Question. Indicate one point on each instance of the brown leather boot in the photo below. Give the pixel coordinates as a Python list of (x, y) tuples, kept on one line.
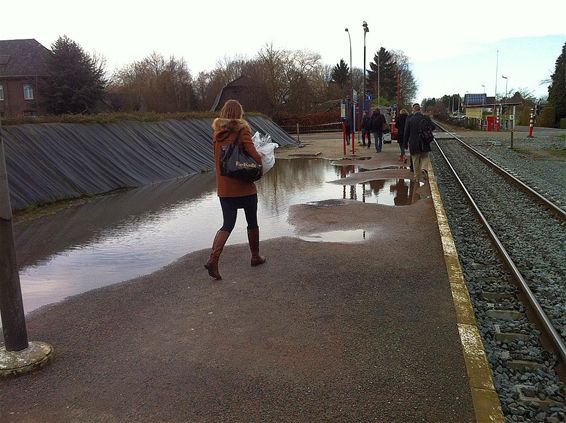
[(253, 239), (217, 247)]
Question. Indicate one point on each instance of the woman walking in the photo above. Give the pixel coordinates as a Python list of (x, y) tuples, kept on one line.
[(234, 194)]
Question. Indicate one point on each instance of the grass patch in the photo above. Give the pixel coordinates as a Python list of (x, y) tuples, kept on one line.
[(114, 117), (551, 153), (36, 210), (562, 137), (560, 154)]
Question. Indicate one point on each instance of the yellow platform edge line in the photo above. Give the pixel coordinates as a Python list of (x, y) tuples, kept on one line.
[(485, 399)]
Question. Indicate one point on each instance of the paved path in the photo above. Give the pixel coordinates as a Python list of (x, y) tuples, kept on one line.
[(323, 332)]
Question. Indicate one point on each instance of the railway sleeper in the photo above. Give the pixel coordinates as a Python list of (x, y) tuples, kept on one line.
[(529, 395), (501, 314)]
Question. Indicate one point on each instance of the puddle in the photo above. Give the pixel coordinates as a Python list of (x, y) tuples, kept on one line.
[(357, 235), (121, 236), (390, 192), (344, 162)]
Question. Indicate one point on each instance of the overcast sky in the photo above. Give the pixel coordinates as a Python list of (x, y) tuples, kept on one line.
[(451, 44)]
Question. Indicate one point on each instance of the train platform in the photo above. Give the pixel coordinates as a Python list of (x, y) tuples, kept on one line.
[(374, 330)]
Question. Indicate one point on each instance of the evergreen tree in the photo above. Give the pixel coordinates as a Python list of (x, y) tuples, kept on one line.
[(75, 80), (557, 88), (341, 74), (387, 75)]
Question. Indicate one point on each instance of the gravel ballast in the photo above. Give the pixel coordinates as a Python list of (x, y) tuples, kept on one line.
[(524, 374)]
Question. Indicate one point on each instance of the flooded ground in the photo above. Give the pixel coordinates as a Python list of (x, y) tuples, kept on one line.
[(121, 236)]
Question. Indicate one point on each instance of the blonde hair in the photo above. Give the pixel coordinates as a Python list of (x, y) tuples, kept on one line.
[(232, 109)]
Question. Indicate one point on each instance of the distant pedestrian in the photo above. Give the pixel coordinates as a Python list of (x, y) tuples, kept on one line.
[(400, 124), (366, 120), (416, 128), (376, 127), (234, 193)]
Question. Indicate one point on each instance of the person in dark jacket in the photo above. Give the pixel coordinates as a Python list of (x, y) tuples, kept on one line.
[(376, 127), (418, 147), (234, 193), (400, 123), (366, 129)]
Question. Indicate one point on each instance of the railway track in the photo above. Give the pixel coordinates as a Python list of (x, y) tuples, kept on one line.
[(511, 240)]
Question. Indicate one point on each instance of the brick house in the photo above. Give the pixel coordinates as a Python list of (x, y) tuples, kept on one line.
[(22, 68)]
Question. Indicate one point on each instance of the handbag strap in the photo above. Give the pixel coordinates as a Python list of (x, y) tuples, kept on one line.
[(237, 141)]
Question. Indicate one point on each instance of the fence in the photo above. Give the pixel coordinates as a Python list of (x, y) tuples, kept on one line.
[(308, 129)]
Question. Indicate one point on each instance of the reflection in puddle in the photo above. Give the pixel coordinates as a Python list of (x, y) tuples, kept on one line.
[(125, 235), (390, 192), (357, 235)]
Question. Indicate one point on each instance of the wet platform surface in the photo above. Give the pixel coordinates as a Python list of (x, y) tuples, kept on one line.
[(347, 331), (115, 237)]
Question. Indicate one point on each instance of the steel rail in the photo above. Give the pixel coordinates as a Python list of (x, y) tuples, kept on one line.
[(561, 213), (553, 334)]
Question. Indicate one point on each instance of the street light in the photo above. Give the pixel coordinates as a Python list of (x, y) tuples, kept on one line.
[(483, 88), (353, 110), (366, 30), (351, 73), (18, 355), (506, 80), (378, 66)]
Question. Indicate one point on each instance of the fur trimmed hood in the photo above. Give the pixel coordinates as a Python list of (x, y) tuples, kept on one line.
[(224, 128), (229, 125)]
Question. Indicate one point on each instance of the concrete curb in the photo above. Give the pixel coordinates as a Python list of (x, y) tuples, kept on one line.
[(485, 398)]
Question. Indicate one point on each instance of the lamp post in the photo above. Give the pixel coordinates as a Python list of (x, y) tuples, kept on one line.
[(18, 355), (353, 109), (11, 304), (351, 73), (506, 80), (366, 30), (378, 66), (483, 88), (495, 92)]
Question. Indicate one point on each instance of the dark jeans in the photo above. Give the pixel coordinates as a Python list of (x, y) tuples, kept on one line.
[(378, 136), (230, 206), (365, 135)]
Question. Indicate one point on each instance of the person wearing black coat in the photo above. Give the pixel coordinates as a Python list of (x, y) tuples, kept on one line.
[(366, 129), (400, 123), (376, 127), (418, 147)]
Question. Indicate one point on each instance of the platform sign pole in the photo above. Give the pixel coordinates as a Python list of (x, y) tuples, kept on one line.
[(355, 101), (531, 124), (512, 120), (344, 136), (343, 116), (11, 304)]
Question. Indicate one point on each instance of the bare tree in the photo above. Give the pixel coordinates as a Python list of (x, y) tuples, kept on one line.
[(155, 84), (288, 77), (408, 84)]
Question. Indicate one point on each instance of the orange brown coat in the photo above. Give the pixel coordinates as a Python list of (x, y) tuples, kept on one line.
[(225, 132)]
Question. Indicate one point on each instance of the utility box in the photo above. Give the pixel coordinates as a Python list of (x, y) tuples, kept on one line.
[(491, 126)]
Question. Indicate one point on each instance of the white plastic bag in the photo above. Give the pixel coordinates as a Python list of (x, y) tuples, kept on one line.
[(266, 150)]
